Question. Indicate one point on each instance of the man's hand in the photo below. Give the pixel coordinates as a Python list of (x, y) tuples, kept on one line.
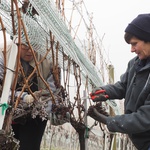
[(92, 112), (98, 94)]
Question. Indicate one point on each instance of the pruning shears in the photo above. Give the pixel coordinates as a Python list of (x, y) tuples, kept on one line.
[(95, 95)]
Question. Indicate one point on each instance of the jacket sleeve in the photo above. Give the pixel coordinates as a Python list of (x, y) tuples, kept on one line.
[(135, 122), (51, 82), (118, 90)]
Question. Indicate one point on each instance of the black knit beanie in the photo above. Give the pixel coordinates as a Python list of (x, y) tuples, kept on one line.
[(140, 27)]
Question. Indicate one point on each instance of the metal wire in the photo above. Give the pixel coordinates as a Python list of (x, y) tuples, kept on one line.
[(38, 28)]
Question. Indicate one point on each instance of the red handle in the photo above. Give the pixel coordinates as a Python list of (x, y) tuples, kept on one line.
[(97, 92), (93, 95)]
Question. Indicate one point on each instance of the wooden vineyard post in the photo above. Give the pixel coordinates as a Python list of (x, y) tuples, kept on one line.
[(112, 113)]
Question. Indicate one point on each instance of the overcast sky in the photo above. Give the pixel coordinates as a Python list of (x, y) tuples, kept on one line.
[(111, 17)]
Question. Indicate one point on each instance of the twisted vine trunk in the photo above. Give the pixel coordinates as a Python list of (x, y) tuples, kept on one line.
[(81, 139), (80, 129)]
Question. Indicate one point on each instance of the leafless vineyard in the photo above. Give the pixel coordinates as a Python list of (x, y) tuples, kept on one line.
[(59, 138), (79, 75), (65, 138)]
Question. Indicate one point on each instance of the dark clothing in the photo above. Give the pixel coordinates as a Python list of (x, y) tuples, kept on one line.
[(134, 86), (30, 134), (29, 131), (33, 82)]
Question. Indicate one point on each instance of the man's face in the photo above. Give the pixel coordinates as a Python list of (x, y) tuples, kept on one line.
[(26, 53), (141, 48)]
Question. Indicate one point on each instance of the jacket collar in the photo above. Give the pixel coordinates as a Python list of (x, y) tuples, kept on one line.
[(142, 64)]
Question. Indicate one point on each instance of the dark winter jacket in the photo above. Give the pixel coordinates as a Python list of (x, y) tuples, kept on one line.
[(134, 87)]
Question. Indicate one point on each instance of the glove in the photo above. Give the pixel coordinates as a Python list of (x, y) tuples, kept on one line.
[(100, 98), (98, 94), (28, 98), (93, 113), (96, 89)]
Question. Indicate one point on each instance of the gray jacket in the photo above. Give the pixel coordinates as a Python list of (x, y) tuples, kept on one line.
[(134, 86)]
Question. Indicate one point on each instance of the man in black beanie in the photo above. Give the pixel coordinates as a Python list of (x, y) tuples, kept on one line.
[(133, 87)]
